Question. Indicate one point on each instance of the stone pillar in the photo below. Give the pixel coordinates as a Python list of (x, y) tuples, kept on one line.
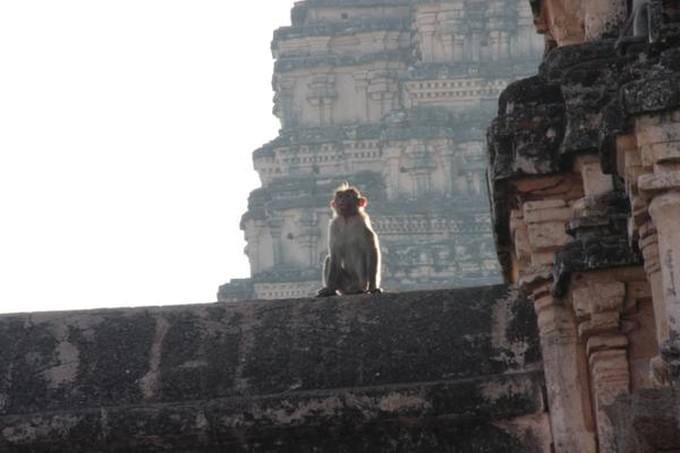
[(539, 232), (450, 169), (426, 25), (494, 37), (565, 374), (381, 94), (458, 47), (326, 110), (284, 106), (640, 226), (309, 237), (445, 40), (504, 49), (649, 247), (610, 379), (361, 83), (546, 221), (665, 212), (598, 304), (252, 249), (658, 137), (275, 226)]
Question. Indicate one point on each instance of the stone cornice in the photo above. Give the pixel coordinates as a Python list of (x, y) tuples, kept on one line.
[(583, 95), (547, 117), (288, 64), (357, 2), (350, 27), (525, 137), (425, 122), (487, 70)]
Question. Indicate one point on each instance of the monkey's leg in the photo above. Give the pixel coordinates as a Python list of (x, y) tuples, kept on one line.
[(347, 283), (326, 291), (353, 274)]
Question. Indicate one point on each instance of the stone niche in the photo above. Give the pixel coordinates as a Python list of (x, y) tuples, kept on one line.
[(420, 372)]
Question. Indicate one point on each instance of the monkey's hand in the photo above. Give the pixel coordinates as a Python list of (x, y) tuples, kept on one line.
[(326, 292), (375, 291)]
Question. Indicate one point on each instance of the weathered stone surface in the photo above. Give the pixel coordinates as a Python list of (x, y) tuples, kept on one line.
[(405, 372), (600, 239), (645, 422), (604, 170)]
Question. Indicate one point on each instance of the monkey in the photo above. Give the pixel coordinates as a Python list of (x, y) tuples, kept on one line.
[(353, 262)]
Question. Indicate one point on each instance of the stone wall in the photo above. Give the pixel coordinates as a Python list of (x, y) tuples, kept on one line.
[(586, 206), (393, 96), (455, 370)]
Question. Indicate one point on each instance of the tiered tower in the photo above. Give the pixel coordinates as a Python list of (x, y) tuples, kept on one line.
[(393, 96)]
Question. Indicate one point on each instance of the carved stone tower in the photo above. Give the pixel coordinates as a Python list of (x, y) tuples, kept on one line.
[(393, 96)]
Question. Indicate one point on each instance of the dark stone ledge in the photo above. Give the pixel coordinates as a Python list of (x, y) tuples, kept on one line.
[(583, 255), (599, 228), (366, 373), (419, 417)]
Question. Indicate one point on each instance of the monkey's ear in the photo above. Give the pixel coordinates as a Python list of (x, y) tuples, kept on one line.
[(362, 201), (333, 203)]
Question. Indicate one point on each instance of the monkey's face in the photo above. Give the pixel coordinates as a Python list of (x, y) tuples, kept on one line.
[(347, 203)]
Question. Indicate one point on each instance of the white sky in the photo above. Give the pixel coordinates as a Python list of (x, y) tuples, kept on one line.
[(126, 133)]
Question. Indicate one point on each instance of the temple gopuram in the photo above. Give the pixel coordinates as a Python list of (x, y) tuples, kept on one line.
[(393, 96)]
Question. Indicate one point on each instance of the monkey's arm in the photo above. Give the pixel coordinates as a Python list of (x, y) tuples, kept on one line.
[(325, 291), (332, 273), (373, 263)]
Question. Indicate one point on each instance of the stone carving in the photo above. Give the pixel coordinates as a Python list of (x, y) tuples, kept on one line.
[(394, 96), (586, 207)]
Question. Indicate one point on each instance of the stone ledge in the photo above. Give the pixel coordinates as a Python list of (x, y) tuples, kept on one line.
[(332, 29), (271, 422), (429, 369)]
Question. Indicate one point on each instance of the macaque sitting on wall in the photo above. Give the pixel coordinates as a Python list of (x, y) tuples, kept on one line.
[(353, 262)]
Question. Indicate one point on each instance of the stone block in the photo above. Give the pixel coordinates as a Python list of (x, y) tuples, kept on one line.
[(598, 297), (522, 245), (538, 205), (668, 152), (610, 374), (548, 215), (660, 133), (549, 235), (595, 182), (599, 323), (542, 259), (659, 181), (601, 343), (645, 120), (647, 158)]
